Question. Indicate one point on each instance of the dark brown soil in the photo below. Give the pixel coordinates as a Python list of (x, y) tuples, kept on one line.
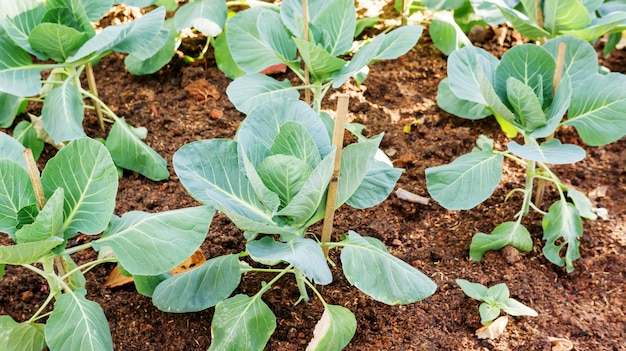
[(586, 307)]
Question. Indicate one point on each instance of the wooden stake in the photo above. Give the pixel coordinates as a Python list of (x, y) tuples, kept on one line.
[(91, 81), (331, 197), (307, 76), (33, 173)]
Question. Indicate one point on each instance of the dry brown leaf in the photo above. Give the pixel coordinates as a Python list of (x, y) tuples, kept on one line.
[(410, 197), (598, 192), (493, 330), (560, 344), (116, 278)]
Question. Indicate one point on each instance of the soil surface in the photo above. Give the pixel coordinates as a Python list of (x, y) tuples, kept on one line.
[(183, 103)]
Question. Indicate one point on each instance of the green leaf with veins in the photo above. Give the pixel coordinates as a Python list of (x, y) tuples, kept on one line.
[(294, 140), (526, 105), (48, 223), (63, 112), (254, 89), (16, 192), (27, 337), (334, 330), (284, 175), (506, 233), (562, 221)]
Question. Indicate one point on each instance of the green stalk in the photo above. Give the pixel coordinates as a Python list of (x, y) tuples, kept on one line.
[(528, 189), (300, 280), (93, 88), (267, 286)]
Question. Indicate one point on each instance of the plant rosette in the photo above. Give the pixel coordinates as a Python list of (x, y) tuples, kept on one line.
[(526, 99), (271, 181), (76, 195)]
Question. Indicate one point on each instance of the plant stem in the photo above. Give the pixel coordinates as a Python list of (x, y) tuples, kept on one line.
[(307, 78), (268, 285), (33, 173), (331, 196), (209, 40), (528, 189), (88, 266), (77, 248), (97, 101), (300, 280), (316, 292), (43, 306), (91, 81)]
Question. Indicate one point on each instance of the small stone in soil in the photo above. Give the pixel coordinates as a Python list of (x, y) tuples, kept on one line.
[(511, 255)]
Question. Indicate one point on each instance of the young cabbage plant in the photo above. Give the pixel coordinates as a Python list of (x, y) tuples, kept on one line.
[(494, 299), (521, 92), (542, 20), (76, 195), (271, 181), (60, 35), (258, 38)]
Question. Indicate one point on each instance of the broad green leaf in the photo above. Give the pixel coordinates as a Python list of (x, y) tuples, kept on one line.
[(156, 44), (487, 10), (356, 160), (488, 313), (209, 170), (25, 133), (19, 27), (27, 215), (27, 337), (336, 19), (516, 308), (138, 239), (27, 253), (247, 35), (130, 152), (379, 181), (380, 275), (138, 3), (77, 279), (126, 38), (506, 233), (528, 112), (562, 222), (443, 4), (304, 254), (562, 15), (199, 288), (467, 181), (497, 293), (6, 327), (206, 16), (284, 175), (295, 140), (397, 42), (308, 200), (92, 10), (63, 112), (530, 64), (90, 187), (598, 109), (523, 24), (18, 75), (551, 151), (157, 54), (224, 59), (16, 192), (581, 59), (268, 198), (146, 284), (9, 108), (56, 40), (254, 89), (12, 8), (560, 104), (241, 323), (73, 13), (359, 62), (77, 324), (446, 34), (582, 203), (474, 290), (600, 26), (456, 106), (320, 63), (334, 330), (49, 221)]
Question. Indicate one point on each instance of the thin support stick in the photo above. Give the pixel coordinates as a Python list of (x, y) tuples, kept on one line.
[(331, 197), (33, 173), (558, 74), (93, 88), (307, 77)]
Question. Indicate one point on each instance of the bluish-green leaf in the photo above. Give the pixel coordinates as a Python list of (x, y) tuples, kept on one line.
[(199, 288), (563, 15), (551, 151), (77, 324), (320, 63), (16, 192), (528, 112), (27, 253), (295, 140), (506, 233), (73, 13), (334, 330), (19, 26), (560, 104), (267, 197), (146, 284), (27, 337), (488, 313), (56, 40), (474, 290), (516, 308), (9, 107), (356, 160), (580, 59), (206, 16), (224, 59), (157, 54), (11, 149), (254, 89), (457, 106), (380, 275), (18, 75), (304, 254), (241, 323), (130, 152), (523, 24), (598, 108), (6, 327), (487, 10), (446, 34), (582, 203), (49, 221), (378, 183), (138, 239), (90, 187), (284, 175), (600, 26), (397, 42), (467, 181), (63, 112), (562, 222), (25, 133)]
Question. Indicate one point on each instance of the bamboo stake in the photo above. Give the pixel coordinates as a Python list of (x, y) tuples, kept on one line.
[(91, 81), (307, 77), (331, 197), (33, 173), (558, 75)]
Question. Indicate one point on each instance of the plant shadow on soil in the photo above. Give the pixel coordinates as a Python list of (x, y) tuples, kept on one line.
[(182, 103)]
